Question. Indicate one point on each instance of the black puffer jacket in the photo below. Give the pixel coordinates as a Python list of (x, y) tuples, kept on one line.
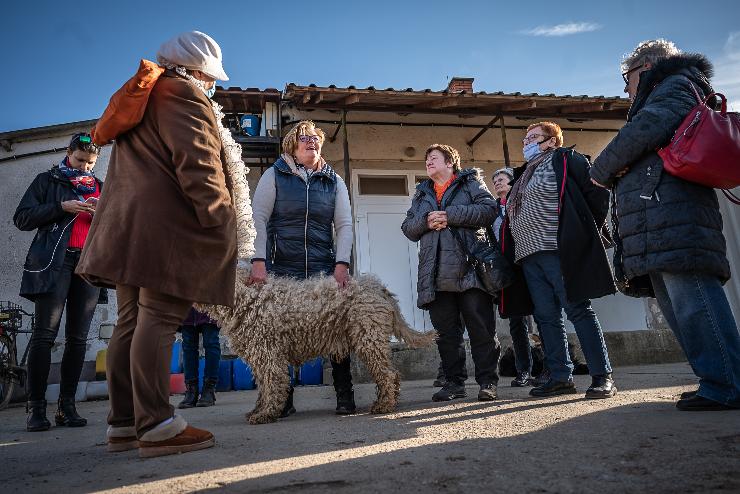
[(442, 264), (583, 260), (665, 223), (41, 209)]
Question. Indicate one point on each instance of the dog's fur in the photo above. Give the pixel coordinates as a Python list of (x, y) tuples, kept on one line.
[(288, 321)]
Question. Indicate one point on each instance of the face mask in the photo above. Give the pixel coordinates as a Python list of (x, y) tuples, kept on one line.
[(531, 150), (211, 92)]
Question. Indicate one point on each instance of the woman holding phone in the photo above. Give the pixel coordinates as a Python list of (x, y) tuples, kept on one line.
[(59, 204)]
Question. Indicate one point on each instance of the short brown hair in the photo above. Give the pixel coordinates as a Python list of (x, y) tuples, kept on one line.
[(451, 155), (551, 129), (304, 127)]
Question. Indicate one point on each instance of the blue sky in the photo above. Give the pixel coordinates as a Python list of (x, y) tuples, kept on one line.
[(63, 60)]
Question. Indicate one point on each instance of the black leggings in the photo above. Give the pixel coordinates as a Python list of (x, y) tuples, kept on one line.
[(81, 299)]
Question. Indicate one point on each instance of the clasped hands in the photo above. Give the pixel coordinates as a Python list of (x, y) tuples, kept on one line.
[(259, 274), (437, 220)]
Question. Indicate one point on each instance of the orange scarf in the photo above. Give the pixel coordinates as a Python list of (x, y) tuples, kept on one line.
[(439, 190)]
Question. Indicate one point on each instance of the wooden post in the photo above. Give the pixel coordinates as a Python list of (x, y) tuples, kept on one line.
[(348, 183), (345, 146), (504, 143), (483, 130)]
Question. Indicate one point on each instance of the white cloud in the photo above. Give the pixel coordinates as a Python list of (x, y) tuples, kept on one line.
[(727, 72), (564, 29)]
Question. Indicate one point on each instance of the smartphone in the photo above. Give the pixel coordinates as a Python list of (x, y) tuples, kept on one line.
[(92, 200)]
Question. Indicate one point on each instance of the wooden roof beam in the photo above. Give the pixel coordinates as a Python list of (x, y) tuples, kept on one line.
[(518, 105), (350, 100), (581, 108), (439, 104), (306, 97)]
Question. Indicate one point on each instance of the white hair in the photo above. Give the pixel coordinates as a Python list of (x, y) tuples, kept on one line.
[(650, 51)]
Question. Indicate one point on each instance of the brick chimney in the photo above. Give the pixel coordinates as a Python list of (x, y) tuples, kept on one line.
[(460, 84)]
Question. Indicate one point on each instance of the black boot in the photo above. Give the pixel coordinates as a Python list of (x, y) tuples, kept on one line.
[(288, 409), (37, 420), (191, 395), (67, 414), (345, 402), (208, 395)]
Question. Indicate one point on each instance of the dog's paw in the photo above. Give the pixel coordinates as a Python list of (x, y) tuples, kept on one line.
[(260, 418), (382, 408)]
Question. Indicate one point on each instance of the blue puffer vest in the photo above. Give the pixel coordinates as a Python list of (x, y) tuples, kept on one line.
[(300, 238)]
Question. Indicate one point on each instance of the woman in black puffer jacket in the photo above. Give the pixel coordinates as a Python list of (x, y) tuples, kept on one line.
[(59, 204), (448, 286), (670, 241)]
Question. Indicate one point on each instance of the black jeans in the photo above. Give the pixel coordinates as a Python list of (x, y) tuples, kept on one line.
[(476, 308), (80, 299), (519, 330)]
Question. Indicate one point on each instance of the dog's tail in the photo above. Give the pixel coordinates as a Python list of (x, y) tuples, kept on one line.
[(402, 331)]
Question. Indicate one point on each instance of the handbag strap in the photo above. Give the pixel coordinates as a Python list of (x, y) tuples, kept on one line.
[(468, 256)]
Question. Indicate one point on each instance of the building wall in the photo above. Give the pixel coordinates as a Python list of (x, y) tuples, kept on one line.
[(15, 177)]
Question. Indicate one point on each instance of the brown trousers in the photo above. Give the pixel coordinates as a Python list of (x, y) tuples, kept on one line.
[(138, 360)]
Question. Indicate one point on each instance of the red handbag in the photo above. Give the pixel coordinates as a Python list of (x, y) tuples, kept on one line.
[(706, 147)]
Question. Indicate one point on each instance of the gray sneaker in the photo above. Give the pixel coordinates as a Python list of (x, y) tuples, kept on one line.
[(487, 392), (449, 392)]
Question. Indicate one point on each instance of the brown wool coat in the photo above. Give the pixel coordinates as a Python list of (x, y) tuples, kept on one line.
[(165, 220)]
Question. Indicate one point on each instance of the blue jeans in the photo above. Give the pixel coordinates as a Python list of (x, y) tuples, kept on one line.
[(546, 286), (211, 346), (697, 311)]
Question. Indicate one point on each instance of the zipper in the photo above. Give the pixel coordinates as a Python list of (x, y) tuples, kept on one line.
[(562, 186), (305, 226), (274, 248), (696, 119)]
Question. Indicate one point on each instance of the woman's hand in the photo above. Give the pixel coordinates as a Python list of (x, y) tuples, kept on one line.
[(437, 220), (75, 207), (259, 273), (341, 274)]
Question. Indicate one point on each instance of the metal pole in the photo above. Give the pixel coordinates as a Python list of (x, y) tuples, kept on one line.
[(345, 147)]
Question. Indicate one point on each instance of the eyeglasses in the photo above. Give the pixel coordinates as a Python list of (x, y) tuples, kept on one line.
[(314, 139), (532, 137), (625, 75)]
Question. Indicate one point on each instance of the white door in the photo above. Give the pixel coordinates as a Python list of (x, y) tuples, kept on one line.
[(381, 199)]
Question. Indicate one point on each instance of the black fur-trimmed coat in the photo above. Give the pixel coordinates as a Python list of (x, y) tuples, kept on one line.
[(665, 223)]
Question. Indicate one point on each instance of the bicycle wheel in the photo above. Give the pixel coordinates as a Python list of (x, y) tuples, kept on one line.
[(7, 362)]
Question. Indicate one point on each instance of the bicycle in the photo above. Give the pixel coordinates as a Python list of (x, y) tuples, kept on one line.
[(12, 374)]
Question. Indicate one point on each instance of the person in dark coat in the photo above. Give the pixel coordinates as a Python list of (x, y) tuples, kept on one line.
[(448, 287), (670, 242), (198, 323), (300, 206), (518, 325), (59, 204), (553, 218)]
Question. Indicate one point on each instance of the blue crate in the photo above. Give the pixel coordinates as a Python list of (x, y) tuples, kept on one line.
[(312, 372), (176, 359), (225, 369), (242, 375)]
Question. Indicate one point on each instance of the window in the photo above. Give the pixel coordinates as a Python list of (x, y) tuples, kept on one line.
[(379, 185)]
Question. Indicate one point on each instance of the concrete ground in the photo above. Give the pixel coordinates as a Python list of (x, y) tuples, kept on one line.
[(635, 442)]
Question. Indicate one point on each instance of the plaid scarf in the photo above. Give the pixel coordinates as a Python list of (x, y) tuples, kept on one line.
[(516, 196), (83, 182)]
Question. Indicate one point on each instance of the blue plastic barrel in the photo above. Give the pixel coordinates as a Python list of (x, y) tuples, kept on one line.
[(176, 360), (312, 372), (250, 124), (225, 369), (242, 375)]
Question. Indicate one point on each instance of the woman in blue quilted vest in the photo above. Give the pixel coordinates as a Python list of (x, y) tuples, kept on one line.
[(300, 207)]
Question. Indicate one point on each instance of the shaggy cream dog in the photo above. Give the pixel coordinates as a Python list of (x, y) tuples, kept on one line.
[(288, 321)]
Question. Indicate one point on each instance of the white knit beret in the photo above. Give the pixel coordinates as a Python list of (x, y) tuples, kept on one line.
[(195, 51)]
